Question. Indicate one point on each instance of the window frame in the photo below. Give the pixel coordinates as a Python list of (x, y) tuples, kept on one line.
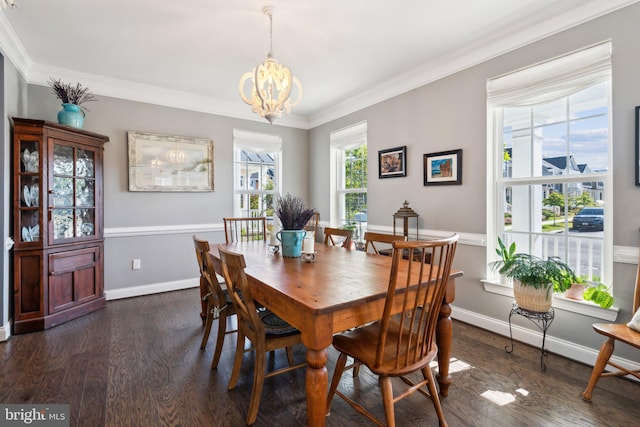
[(496, 183), (256, 143), (343, 140)]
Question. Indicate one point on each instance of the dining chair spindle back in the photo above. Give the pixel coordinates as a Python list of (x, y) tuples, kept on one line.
[(245, 229), (400, 344), (334, 237), (266, 331), (371, 239), (217, 301)]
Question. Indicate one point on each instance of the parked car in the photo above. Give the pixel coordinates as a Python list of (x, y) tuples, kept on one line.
[(589, 219)]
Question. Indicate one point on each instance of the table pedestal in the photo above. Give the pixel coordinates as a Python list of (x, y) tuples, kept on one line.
[(541, 320)]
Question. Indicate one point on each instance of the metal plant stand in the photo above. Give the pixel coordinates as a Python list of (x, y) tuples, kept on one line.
[(541, 320)]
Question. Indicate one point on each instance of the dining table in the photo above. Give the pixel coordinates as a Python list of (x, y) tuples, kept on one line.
[(338, 290)]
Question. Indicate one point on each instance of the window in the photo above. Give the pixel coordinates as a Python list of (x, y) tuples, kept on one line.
[(256, 173), (549, 152), (349, 206)]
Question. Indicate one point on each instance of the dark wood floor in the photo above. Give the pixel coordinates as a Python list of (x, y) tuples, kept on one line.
[(138, 363)]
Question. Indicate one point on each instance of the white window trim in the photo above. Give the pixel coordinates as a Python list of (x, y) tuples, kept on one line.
[(258, 143), (595, 62), (341, 140)]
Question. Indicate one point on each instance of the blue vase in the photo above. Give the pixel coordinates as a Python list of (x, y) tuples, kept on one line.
[(71, 115), (291, 242)]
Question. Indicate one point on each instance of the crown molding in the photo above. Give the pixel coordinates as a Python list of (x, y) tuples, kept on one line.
[(562, 16), (552, 20), (13, 49)]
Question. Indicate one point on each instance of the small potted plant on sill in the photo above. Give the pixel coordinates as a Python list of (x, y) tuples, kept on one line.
[(593, 291), (293, 217), (72, 97), (535, 279), (505, 255)]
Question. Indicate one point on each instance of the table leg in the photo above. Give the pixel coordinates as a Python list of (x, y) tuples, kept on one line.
[(444, 337), (317, 384)]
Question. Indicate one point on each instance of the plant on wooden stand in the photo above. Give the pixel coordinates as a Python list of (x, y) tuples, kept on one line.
[(535, 279)]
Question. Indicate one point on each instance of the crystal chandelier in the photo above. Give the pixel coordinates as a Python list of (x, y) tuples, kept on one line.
[(271, 84)]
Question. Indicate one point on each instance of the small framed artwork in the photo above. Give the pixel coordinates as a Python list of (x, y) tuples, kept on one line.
[(443, 168), (638, 145), (169, 163), (392, 162)]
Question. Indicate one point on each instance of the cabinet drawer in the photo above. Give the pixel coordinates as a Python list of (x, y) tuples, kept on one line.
[(73, 278)]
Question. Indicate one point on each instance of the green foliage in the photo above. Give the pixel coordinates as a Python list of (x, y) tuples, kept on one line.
[(583, 200), (355, 176), (599, 294), (292, 213), (531, 270), (504, 253), (554, 199)]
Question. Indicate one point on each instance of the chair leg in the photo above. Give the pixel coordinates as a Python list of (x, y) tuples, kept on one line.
[(598, 368), (289, 351), (386, 390), (433, 391), (222, 330), (337, 374), (203, 301), (256, 389), (207, 327), (237, 361)]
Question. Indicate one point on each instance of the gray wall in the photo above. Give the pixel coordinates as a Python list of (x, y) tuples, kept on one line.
[(450, 114), (167, 257)]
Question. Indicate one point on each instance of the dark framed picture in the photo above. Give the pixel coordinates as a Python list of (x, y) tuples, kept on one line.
[(443, 168), (638, 145), (392, 162)]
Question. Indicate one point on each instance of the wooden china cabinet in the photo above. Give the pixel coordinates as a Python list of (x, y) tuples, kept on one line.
[(57, 224)]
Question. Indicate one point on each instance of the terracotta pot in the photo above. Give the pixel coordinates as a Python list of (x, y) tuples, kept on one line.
[(575, 291), (533, 299)]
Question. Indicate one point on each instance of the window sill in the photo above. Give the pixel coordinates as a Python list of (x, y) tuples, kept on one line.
[(561, 302)]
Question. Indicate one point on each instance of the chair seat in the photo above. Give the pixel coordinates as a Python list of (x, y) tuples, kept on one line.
[(274, 325), (362, 344), (620, 332)]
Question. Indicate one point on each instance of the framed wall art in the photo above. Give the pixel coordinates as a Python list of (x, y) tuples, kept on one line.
[(169, 163), (392, 162), (443, 168)]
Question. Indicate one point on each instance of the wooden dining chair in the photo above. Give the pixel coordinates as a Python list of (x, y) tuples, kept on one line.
[(400, 344), (333, 237), (217, 301), (371, 239), (245, 229), (266, 331), (614, 332)]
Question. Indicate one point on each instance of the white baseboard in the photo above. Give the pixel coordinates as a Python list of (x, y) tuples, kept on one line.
[(5, 332), (555, 345), (155, 288)]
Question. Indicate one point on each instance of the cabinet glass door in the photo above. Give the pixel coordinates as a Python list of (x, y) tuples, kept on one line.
[(73, 192), (29, 192)]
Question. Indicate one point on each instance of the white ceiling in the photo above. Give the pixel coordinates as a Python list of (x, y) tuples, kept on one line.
[(348, 54)]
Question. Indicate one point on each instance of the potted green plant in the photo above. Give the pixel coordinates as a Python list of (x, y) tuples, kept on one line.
[(293, 216), (535, 279), (593, 291), (72, 97), (505, 255)]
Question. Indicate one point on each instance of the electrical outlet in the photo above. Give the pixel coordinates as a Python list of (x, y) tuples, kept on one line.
[(135, 264)]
